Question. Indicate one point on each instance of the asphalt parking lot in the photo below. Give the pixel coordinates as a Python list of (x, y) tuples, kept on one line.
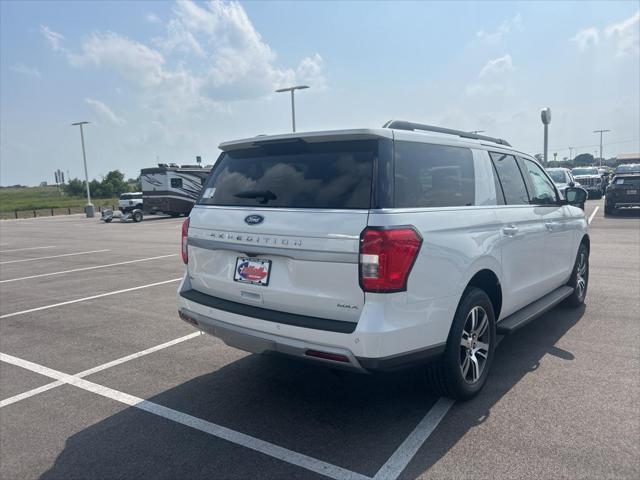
[(99, 378)]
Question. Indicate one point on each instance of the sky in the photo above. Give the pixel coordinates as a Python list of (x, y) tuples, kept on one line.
[(167, 81)]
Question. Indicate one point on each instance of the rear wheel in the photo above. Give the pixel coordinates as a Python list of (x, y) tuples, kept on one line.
[(462, 370), (137, 216), (579, 278), (174, 214)]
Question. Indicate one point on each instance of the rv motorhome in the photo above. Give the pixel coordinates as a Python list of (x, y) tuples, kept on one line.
[(172, 189)]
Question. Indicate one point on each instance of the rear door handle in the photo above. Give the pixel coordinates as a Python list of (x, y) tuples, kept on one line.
[(510, 230)]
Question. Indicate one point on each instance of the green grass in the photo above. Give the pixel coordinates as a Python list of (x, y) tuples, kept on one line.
[(34, 198)]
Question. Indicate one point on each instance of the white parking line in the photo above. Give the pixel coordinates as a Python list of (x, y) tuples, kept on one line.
[(99, 368), (53, 256), (88, 268), (92, 297), (593, 214), (29, 248), (407, 450), (247, 441)]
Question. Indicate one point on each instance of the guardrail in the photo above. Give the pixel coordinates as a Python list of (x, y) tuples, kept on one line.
[(47, 212)]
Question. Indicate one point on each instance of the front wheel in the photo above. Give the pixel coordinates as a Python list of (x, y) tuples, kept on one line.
[(579, 280), (137, 216), (462, 370)]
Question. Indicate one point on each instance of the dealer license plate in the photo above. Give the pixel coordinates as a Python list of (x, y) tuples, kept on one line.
[(252, 270)]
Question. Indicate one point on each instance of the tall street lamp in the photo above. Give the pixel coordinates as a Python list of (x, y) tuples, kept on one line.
[(545, 115), (601, 132), (88, 208), (293, 102)]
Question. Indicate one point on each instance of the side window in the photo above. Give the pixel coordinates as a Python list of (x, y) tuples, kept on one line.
[(429, 175), (176, 183), (511, 180), (544, 192)]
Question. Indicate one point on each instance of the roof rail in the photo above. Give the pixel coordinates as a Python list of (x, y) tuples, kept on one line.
[(403, 125)]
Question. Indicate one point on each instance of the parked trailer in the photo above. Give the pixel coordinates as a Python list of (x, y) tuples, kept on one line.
[(172, 189)]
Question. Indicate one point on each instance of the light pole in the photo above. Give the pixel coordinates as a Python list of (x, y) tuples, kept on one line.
[(570, 153), (88, 208), (545, 115), (601, 132), (293, 102)]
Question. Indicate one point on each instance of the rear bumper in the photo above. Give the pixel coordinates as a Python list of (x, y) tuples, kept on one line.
[(370, 345)]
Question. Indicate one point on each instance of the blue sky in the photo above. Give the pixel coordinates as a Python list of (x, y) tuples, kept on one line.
[(171, 80)]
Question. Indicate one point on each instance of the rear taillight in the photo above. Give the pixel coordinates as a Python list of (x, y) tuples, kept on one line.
[(185, 231), (387, 255)]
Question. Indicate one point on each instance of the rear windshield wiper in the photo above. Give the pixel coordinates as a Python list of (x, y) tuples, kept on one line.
[(265, 195)]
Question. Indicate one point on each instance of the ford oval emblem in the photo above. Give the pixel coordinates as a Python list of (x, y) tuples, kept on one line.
[(253, 219)]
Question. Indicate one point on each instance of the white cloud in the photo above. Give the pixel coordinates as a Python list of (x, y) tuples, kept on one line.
[(131, 59), (152, 18), (54, 39), (229, 59), (586, 37), (22, 69), (497, 65), (507, 26), (626, 34), (104, 112)]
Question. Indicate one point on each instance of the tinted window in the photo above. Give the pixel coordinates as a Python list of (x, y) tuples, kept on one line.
[(298, 175), (635, 181), (433, 176), (176, 183), (511, 181), (585, 171), (544, 192)]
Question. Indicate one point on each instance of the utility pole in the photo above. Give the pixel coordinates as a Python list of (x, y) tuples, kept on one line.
[(601, 132), (88, 208), (293, 101), (570, 153), (555, 157)]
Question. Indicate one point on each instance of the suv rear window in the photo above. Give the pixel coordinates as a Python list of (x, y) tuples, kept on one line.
[(294, 174), (635, 181), (433, 176)]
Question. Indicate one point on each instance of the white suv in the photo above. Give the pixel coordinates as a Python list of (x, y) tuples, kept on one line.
[(378, 249)]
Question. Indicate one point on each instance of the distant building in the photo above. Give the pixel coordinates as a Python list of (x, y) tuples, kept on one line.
[(628, 158)]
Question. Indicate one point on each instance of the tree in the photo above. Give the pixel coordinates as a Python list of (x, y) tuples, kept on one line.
[(113, 184), (74, 187), (583, 160)]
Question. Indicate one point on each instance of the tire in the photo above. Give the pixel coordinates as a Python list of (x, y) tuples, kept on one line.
[(174, 214), (461, 372), (579, 280), (137, 216), (108, 220)]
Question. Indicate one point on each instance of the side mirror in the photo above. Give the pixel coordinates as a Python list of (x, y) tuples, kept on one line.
[(571, 184), (576, 196)]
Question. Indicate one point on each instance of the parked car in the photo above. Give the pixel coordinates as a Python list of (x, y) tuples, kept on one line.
[(377, 249), (589, 179), (623, 192), (562, 178), (130, 201)]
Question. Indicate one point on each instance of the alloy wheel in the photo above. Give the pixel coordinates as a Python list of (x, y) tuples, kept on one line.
[(474, 344)]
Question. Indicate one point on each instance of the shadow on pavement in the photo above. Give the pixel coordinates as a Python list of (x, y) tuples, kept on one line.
[(350, 420)]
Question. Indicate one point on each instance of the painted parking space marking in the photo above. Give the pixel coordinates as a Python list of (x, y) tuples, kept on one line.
[(53, 256), (407, 450), (247, 441), (28, 248), (92, 297), (88, 268), (593, 214), (99, 368)]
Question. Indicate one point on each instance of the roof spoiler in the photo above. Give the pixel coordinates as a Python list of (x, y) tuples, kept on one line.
[(404, 125)]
